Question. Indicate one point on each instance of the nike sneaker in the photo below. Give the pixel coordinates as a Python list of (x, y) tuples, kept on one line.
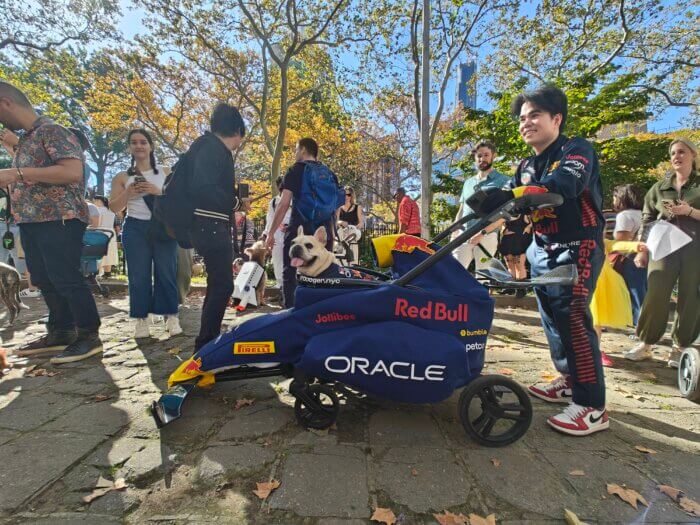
[(557, 391), (639, 352), (576, 420)]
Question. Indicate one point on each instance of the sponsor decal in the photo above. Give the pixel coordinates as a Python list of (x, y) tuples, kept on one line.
[(470, 333), (542, 214), (403, 370), (584, 266), (318, 280), (580, 158), (409, 244), (193, 367), (554, 166), (254, 348), (334, 317), (434, 310), (473, 347)]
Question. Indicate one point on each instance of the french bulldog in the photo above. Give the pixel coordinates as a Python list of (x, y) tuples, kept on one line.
[(309, 255)]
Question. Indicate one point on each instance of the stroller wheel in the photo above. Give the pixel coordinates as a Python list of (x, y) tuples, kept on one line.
[(316, 407), (495, 411), (689, 373)]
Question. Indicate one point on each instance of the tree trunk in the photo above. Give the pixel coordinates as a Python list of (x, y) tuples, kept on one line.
[(426, 154), (100, 178), (281, 129)]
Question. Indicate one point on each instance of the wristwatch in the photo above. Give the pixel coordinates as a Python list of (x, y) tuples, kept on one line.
[(484, 232)]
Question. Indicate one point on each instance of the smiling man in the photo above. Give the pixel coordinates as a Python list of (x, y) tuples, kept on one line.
[(568, 234)]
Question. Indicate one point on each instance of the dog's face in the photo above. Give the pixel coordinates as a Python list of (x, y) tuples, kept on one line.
[(237, 264), (257, 252), (308, 253)]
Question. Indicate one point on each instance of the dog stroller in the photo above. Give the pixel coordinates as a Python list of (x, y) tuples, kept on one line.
[(413, 335), (95, 246)]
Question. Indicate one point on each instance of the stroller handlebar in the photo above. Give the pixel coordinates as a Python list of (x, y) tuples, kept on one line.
[(535, 201)]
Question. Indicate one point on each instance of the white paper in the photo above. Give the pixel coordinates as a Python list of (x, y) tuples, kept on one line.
[(665, 238)]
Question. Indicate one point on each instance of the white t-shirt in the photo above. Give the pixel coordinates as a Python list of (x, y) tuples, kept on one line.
[(107, 218), (137, 207), (628, 221)]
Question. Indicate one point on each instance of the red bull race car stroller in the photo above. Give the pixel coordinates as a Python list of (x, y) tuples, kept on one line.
[(413, 335)]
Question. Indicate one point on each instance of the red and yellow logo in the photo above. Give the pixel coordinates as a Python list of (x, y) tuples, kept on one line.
[(193, 367), (409, 243), (254, 348)]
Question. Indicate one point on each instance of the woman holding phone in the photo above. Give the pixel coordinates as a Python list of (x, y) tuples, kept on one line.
[(151, 256), (675, 199)]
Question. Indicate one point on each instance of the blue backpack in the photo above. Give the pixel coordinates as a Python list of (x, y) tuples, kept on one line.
[(321, 195)]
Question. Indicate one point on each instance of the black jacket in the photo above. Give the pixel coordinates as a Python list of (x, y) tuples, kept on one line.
[(213, 178)]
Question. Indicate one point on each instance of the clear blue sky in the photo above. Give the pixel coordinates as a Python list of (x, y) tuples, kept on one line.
[(130, 25)]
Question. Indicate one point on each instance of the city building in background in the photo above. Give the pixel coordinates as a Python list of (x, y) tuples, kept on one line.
[(466, 85)]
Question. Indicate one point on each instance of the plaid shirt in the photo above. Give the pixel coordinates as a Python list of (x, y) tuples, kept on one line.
[(409, 215), (42, 146)]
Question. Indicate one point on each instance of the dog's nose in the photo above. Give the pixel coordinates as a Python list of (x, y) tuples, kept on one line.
[(296, 251)]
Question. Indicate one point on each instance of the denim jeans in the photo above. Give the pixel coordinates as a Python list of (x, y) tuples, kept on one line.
[(152, 270), (636, 281), (52, 250)]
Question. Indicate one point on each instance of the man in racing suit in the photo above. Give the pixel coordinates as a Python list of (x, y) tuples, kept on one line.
[(568, 234)]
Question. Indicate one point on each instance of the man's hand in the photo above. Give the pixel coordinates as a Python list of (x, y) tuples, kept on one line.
[(476, 239), (641, 260), (680, 209), (8, 139), (8, 176)]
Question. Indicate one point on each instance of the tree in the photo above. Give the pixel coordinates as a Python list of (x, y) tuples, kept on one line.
[(34, 27)]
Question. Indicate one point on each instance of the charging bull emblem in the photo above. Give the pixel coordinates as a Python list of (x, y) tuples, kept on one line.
[(409, 243), (193, 367), (542, 214)]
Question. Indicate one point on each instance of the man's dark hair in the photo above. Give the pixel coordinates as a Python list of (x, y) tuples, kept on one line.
[(7, 90), (484, 144), (309, 145), (278, 182), (629, 197), (547, 98), (104, 200), (227, 121)]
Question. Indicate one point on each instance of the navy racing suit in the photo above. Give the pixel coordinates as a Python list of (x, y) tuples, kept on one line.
[(569, 234)]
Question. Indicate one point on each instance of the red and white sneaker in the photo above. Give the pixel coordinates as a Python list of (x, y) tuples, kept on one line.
[(576, 420), (558, 391)]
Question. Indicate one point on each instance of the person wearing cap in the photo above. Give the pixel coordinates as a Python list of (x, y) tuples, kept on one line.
[(409, 214)]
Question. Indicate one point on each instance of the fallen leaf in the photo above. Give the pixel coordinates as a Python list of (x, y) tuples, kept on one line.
[(548, 375), (39, 372), (644, 449), (175, 350), (688, 505), (475, 519), (319, 432), (414, 472), (264, 489), (240, 403), (577, 473), (119, 484), (631, 496), (98, 398), (506, 371), (572, 519), (29, 369), (496, 462), (451, 519), (382, 515), (651, 376)]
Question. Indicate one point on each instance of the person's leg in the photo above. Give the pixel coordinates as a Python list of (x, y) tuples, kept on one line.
[(289, 273), (511, 264), (662, 276), (490, 244), (636, 281), (139, 265), (165, 295), (278, 258), (184, 273), (33, 236), (520, 268), (464, 254), (686, 325)]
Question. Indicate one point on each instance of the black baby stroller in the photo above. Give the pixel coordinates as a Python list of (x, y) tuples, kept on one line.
[(95, 245)]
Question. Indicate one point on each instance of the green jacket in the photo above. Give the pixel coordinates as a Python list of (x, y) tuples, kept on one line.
[(664, 191)]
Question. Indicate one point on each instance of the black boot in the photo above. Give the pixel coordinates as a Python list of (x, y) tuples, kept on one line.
[(54, 341), (86, 345)]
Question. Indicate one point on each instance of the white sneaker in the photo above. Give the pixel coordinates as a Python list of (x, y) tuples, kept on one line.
[(556, 391), (29, 293), (141, 330), (576, 420), (674, 357), (638, 352), (172, 325)]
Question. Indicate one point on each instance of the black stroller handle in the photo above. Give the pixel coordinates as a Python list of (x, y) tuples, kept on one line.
[(535, 201)]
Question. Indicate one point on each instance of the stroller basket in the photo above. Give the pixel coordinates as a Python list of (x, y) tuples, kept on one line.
[(95, 246)]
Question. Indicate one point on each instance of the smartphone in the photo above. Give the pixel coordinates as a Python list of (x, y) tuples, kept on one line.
[(139, 178), (243, 191)]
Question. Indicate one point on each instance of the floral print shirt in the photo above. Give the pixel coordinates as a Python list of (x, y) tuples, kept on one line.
[(41, 147)]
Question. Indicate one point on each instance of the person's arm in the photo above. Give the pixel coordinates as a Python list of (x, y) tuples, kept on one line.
[(280, 212), (683, 209), (9, 141), (459, 211), (268, 219), (573, 173), (360, 217), (120, 194), (476, 239), (404, 216)]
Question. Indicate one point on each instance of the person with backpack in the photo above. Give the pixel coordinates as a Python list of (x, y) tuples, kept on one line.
[(197, 208), (151, 255), (317, 195), (277, 255)]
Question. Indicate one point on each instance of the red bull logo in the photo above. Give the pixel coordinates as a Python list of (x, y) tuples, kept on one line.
[(436, 311), (542, 214), (409, 243), (193, 367)]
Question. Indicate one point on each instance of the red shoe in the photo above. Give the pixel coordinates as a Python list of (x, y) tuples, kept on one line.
[(558, 391), (606, 360), (576, 420)]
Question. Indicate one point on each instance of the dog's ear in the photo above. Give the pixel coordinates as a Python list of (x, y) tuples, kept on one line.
[(248, 252), (300, 231), (321, 235)]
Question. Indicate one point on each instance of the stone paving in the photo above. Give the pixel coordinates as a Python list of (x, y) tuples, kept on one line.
[(63, 435)]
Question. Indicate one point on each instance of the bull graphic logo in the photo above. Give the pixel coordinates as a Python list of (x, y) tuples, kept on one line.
[(409, 243), (193, 367), (542, 214)]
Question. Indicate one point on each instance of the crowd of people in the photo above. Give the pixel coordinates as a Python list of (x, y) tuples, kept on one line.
[(47, 188)]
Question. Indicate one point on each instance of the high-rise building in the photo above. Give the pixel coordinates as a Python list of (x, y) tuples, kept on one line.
[(466, 85)]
